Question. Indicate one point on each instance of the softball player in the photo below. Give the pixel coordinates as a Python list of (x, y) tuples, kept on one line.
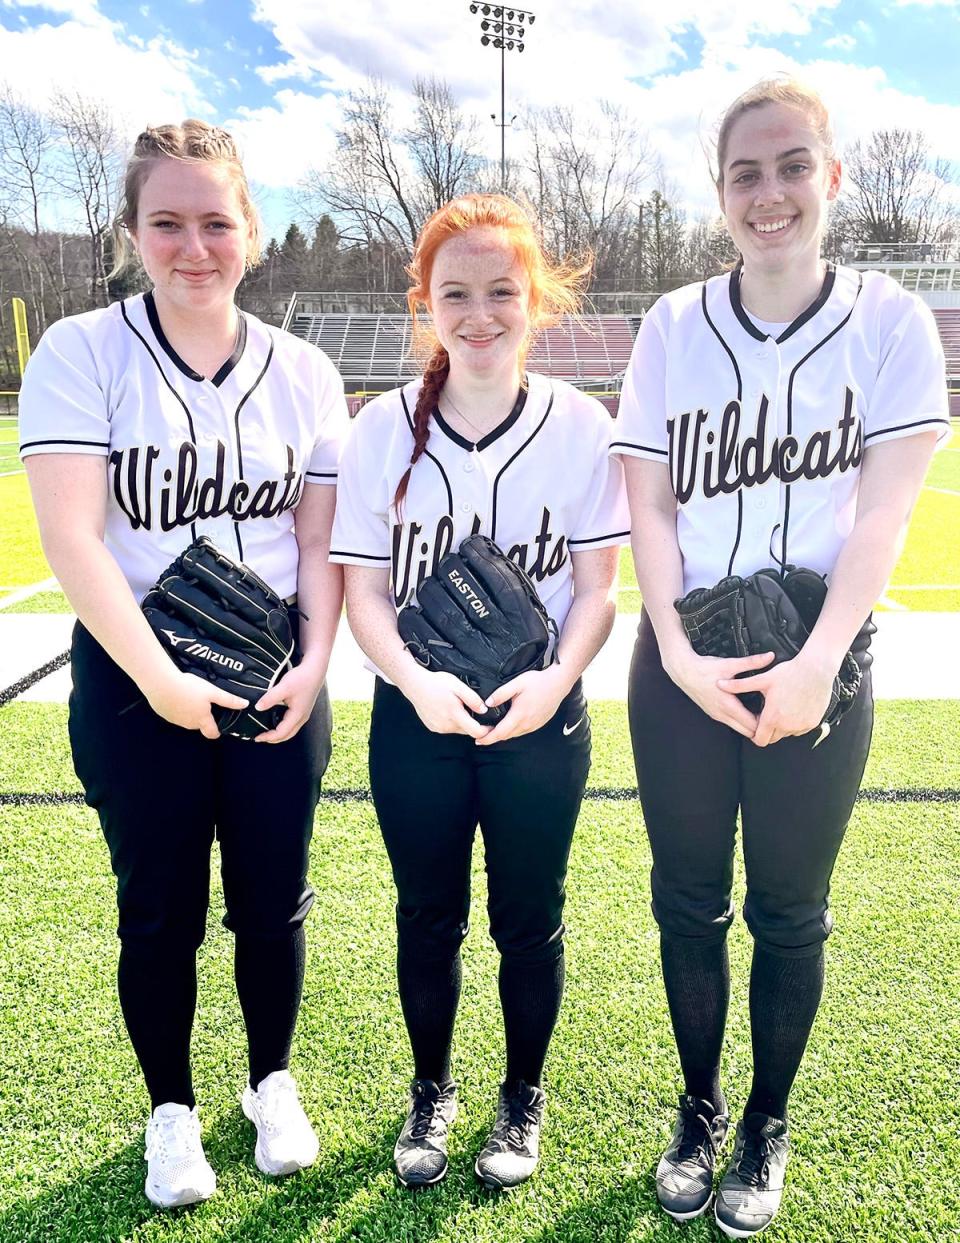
[(782, 413), (475, 447), (143, 425)]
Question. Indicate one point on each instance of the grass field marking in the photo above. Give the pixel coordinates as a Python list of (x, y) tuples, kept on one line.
[(6, 473), (942, 491), (894, 605), (925, 587), (24, 593)]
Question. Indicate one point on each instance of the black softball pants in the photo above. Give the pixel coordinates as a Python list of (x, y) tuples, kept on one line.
[(431, 792), (162, 794), (794, 800)]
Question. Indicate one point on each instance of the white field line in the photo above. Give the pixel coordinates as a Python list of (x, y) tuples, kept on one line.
[(24, 593), (942, 491), (6, 474), (926, 587), (893, 605)]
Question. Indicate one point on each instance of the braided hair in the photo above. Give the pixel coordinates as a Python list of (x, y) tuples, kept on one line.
[(192, 142), (556, 289)]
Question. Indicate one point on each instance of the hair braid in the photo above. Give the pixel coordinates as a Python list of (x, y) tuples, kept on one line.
[(434, 377)]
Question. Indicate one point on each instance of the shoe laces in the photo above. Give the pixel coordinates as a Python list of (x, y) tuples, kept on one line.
[(427, 1118), (519, 1117), (278, 1105), (174, 1138), (698, 1137), (753, 1166)]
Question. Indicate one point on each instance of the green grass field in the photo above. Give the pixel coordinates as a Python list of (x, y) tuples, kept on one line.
[(876, 1143), (927, 577)]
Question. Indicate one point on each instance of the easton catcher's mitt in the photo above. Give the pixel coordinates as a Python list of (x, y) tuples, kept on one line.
[(219, 620), (765, 612), (479, 617)]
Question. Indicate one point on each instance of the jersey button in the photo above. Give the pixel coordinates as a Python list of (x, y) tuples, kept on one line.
[(760, 503), (468, 466), (466, 507)]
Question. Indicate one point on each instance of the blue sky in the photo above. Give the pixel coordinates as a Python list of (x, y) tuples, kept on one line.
[(277, 71)]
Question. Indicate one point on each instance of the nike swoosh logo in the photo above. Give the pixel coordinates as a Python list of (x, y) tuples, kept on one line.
[(568, 729)]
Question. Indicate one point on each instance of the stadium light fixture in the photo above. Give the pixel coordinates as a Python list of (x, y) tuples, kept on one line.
[(505, 33)]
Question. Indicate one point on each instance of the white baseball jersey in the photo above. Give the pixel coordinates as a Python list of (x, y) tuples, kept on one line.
[(540, 485), (764, 435), (226, 457)]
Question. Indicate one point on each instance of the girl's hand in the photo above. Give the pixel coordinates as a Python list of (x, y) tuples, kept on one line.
[(298, 689), (184, 699), (535, 698), (710, 681), (796, 694), (441, 702)]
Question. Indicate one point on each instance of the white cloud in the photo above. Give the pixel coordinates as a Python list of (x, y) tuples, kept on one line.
[(843, 43), (280, 142)]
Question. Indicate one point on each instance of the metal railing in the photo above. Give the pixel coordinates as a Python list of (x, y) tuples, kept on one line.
[(902, 252)]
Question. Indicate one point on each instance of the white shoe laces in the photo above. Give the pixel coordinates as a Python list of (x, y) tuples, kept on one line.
[(279, 1106), (175, 1138)]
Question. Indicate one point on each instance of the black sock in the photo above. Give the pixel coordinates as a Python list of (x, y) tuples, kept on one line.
[(429, 995), (158, 995), (784, 996), (696, 975), (530, 995), (269, 975)]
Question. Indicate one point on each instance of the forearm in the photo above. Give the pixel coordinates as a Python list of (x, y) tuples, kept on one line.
[(319, 603), (861, 572), (99, 594), (659, 569), (373, 622), (586, 629)]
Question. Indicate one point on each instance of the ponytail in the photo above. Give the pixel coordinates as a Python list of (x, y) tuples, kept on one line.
[(434, 377)]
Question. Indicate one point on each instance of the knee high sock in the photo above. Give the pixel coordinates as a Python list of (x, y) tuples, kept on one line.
[(696, 975), (158, 995), (429, 996), (269, 975), (784, 997), (530, 995)]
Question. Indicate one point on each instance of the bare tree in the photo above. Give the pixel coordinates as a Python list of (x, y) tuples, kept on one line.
[(893, 190), (89, 174), (442, 145)]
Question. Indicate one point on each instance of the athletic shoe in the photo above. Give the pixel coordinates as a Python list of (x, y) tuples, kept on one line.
[(512, 1150), (750, 1190), (177, 1171), (285, 1139), (420, 1153), (685, 1172)]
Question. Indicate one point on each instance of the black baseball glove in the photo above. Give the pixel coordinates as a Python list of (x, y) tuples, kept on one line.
[(765, 612), (479, 617), (219, 620)]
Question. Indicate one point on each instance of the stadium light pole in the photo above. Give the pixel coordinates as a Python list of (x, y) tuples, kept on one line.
[(504, 29)]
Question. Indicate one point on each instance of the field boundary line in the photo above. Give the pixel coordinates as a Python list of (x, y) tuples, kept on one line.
[(8, 474), (23, 684), (943, 491), (612, 794), (32, 589)]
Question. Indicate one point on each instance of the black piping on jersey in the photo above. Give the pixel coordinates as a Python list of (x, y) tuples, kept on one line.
[(427, 453), (366, 556), (595, 539), (630, 444), (509, 462), (500, 430), (223, 371), (832, 333), (881, 431), (186, 409), (236, 425), (736, 372), (95, 444), (749, 326)]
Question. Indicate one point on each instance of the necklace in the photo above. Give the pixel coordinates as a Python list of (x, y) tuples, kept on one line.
[(476, 426)]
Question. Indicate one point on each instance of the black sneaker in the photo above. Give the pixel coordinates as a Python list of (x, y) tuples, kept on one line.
[(420, 1153), (512, 1150), (750, 1190), (685, 1171)]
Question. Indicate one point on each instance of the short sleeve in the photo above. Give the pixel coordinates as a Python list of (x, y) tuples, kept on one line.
[(910, 395), (641, 428), (333, 423), (361, 530), (62, 407), (605, 518)]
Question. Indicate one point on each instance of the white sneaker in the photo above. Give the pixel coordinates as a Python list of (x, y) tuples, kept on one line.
[(285, 1139), (177, 1171)]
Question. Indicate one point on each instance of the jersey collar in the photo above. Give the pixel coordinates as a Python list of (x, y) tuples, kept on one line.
[(500, 430), (804, 317), (222, 373)]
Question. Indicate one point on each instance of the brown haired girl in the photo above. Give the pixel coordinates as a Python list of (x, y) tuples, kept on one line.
[(478, 446), (783, 413), (145, 424)]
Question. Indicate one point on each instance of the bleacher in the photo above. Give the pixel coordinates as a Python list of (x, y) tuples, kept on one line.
[(948, 325)]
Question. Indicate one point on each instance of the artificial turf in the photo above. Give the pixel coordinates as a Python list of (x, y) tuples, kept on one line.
[(876, 1145)]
